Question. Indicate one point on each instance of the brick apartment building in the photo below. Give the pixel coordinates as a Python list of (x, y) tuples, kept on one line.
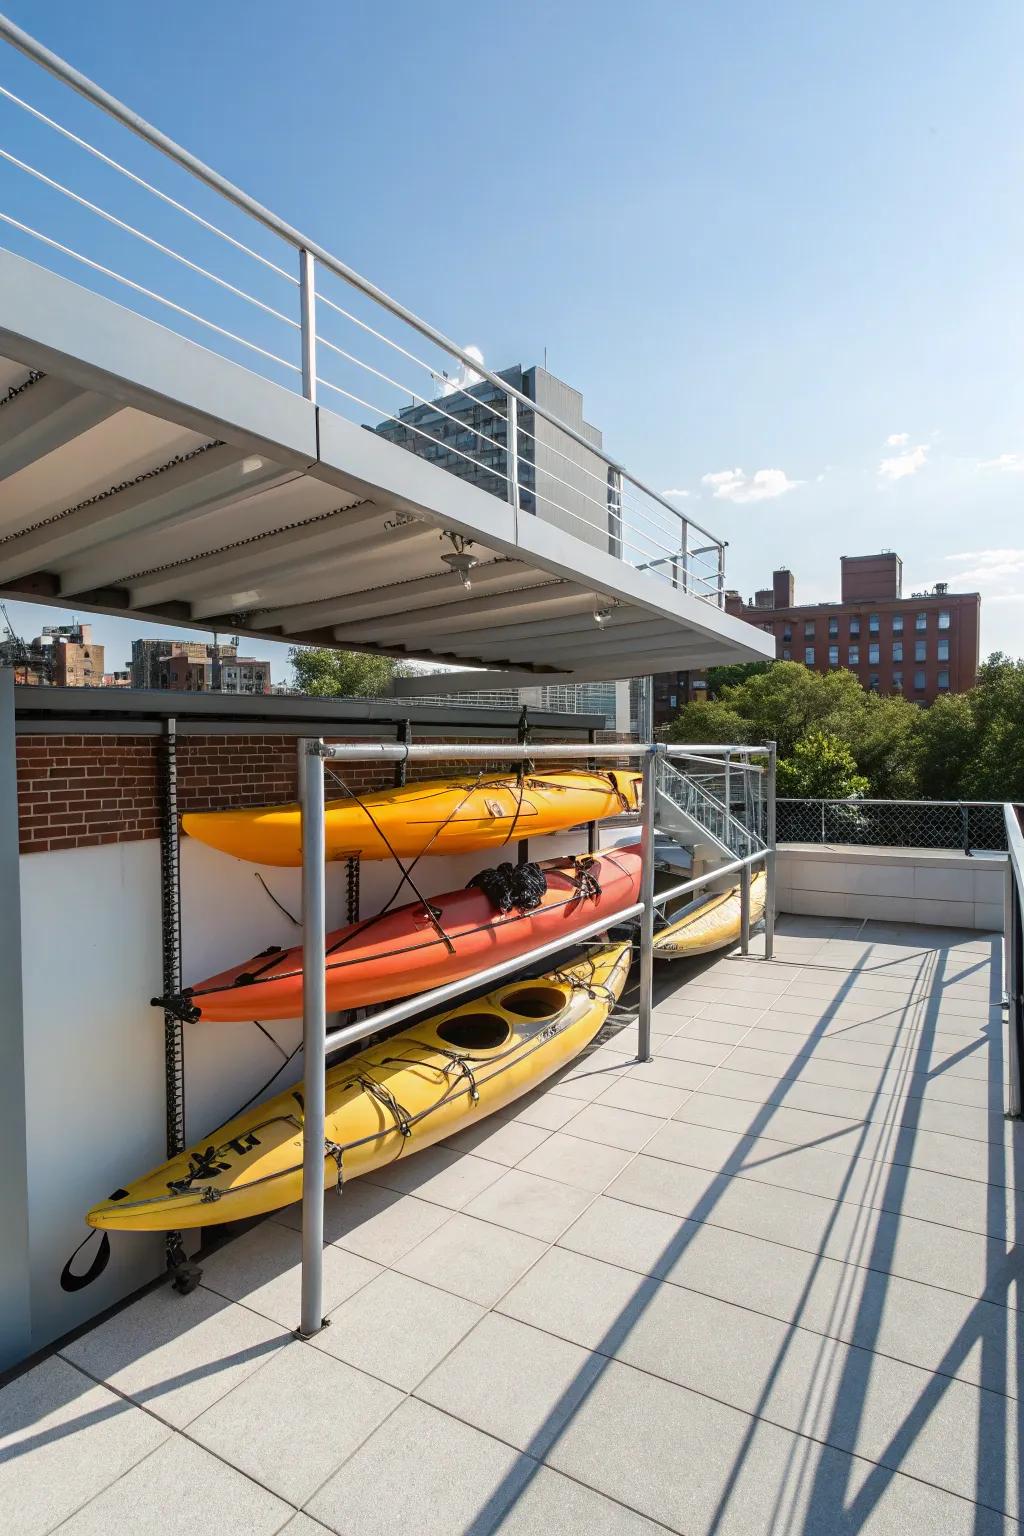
[(196, 666), (921, 646)]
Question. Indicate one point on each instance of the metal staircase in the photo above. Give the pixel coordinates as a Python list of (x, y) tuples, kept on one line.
[(689, 813)]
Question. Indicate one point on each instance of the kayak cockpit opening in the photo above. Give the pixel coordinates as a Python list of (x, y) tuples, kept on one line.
[(534, 1002), (475, 1031)]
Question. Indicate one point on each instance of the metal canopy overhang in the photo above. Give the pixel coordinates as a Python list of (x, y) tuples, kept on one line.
[(142, 475)]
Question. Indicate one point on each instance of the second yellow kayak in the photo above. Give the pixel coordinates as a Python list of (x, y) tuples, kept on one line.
[(709, 925), (456, 815)]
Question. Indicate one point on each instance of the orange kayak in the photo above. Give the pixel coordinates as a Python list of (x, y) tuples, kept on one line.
[(411, 948)]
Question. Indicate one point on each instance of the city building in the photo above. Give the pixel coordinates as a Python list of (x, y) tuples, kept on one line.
[(197, 666), (465, 430), (64, 655), (921, 646)]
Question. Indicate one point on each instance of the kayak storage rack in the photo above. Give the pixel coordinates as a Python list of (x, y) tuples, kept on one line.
[(318, 1043)]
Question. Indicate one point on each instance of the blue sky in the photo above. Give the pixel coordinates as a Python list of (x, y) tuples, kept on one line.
[(778, 248)]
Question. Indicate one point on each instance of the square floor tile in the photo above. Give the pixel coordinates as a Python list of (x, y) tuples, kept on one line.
[(527, 1203), (291, 1424), (424, 1473), (590, 1303), (514, 1382), (472, 1258), (263, 1270), (63, 1439), (397, 1328), (548, 1111), (439, 1175), (611, 1127), (646, 1098), (372, 1221), (551, 1503), (181, 1487), (176, 1355), (572, 1160), (500, 1141)]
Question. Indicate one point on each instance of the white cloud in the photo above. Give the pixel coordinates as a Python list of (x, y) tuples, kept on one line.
[(466, 377), (762, 485), (998, 574), (674, 492), (1011, 463), (897, 440), (903, 464)]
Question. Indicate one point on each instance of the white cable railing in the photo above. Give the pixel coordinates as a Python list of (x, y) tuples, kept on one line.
[(80, 188)]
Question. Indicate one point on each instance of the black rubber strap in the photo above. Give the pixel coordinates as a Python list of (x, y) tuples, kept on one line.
[(70, 1282)]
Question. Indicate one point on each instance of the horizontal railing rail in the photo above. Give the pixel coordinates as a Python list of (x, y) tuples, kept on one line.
[(286, 306), (972, 826)]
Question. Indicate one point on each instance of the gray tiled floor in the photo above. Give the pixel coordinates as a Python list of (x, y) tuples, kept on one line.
[(762, 1286)]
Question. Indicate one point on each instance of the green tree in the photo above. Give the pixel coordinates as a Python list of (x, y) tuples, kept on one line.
[(886, 745), (707, 720), (995, 770), (728, 677), (947, 738), (326, 673), (821, 767)]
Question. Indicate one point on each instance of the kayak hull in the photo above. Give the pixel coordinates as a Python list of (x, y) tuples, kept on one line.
[(455, 815), (711, 925), (412, 949), (444, 1074)]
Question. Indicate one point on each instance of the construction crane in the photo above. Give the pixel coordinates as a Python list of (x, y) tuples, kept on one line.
[(17, 653)]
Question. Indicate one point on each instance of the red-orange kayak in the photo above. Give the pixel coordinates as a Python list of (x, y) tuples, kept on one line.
[(409, 950)]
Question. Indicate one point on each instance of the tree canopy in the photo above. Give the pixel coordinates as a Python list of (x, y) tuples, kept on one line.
[(327, 673), (835, 738)]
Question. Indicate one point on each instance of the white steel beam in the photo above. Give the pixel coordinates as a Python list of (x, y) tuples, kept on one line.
[(474, 613), (44, 417), (399, 597)]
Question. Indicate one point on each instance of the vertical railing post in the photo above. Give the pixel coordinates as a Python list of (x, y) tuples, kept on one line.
[(307, 296), (314, 1033), (683, 556), (593, 827), (645, 1004), (727, 796), (822, 804), (721, 576), (745, 910), (770, 861), (965, 829), (512, 455), (615, 541), (1013, 968)]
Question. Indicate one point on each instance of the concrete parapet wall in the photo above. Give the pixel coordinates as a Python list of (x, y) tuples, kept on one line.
[(940, 887)]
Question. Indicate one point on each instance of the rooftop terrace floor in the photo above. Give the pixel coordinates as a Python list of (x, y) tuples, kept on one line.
[(765, 1283)]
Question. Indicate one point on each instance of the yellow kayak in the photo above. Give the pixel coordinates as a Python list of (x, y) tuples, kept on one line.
[(456, 815), (711, 924), (385, 1103)]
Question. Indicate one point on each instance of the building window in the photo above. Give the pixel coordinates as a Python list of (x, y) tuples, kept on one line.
[(897, 650), (873, 623), (853, 656), (920, 650), (809, 655), (833, 655), (873, 653), (943, 618), (808, 629), (787, 655), (921, 622), (787, 632), (943, 679), (897, 623), (943, 650), (897, 682), (919, 682), (873, 682), (833, 626), (854, 628)]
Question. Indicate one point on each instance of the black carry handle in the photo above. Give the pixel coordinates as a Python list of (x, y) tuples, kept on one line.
[(70, 1282)]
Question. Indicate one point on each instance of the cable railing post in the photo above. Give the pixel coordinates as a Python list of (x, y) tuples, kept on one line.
[(615, 540), (314, 1033), (307, 293), (684, 534), (745, 910), (645, 1006), (822, 805), (771, 857), (512, 456)]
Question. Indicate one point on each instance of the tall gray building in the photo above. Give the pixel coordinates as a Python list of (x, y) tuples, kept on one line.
[(465, 430)]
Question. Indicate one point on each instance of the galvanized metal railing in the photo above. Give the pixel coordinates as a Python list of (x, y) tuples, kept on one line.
[(289, 308), (970, 825), (317, 1043), (1013, 961)]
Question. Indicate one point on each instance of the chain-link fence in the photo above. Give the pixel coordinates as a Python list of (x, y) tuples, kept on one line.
[(963, 824)]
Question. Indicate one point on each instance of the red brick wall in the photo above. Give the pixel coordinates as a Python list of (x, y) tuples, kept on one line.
[(80, 791)]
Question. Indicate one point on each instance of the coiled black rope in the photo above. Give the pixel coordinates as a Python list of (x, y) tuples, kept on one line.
[(512, 885)]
